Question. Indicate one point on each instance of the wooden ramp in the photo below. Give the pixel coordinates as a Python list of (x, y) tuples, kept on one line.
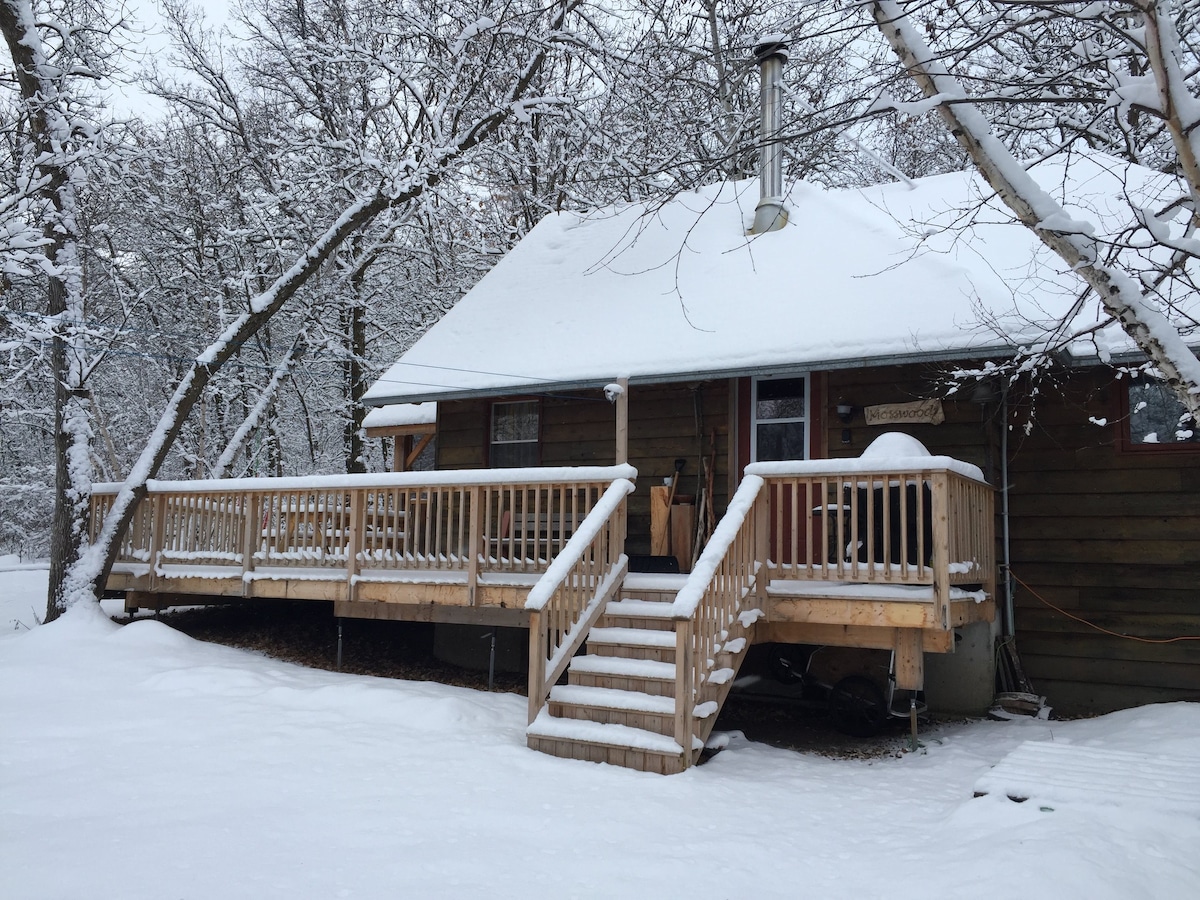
[(1049, 772), (625, 702)]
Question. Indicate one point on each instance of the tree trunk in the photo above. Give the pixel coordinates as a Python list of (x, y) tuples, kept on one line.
[(41, 84), (352, 371)]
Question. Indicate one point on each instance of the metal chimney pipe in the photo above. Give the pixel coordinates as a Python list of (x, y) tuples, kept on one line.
[(770, 214)]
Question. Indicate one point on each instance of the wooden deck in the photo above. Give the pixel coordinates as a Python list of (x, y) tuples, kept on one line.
[(827, 553)]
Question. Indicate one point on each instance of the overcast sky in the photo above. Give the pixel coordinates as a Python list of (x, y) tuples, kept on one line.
[(146, 40)]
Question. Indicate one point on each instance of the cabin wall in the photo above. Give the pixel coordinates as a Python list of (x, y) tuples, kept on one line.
[(971, 431), (1106, 534), (962, 681), (666, 422)]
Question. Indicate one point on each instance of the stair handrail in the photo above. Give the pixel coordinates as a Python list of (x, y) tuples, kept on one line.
[(711, 600), (568, 599)]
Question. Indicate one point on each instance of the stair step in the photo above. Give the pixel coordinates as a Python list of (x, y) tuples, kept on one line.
[(656, 582), (632, 608), (622, 667), (632, 612), (633, 637), (612, 706), (619, 745), (650, 676), (609, 698)]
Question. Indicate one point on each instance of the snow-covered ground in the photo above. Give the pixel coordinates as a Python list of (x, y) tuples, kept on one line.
[(136, 762)]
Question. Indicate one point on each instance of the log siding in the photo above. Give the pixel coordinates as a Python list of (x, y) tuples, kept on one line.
[(666, 422)]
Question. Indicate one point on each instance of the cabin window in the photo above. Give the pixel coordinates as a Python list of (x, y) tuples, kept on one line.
[(780, 424), (516, 428), (1157, 417)]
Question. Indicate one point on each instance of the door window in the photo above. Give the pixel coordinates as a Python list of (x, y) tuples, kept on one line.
[(780, 419)]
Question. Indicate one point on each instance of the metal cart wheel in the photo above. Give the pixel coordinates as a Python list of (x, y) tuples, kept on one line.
[(857, 706)]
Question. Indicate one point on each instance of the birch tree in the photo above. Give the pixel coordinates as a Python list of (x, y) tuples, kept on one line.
[(1156, 80)]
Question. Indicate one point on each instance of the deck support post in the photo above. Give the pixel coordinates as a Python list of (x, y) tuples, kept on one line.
[(251, 536), (910, 660), (762, 548), (939, 485)]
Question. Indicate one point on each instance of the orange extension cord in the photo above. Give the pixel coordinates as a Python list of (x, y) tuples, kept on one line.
[(1130, 637)]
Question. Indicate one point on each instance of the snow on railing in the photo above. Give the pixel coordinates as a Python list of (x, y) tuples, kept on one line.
[(571, 595)]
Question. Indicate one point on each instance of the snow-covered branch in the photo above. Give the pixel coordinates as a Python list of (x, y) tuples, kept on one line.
[(1120, 295)]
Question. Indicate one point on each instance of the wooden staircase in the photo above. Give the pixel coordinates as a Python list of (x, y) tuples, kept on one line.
[(619, 704)]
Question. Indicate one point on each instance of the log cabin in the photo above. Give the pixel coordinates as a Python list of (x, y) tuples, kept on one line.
[(667, 432)]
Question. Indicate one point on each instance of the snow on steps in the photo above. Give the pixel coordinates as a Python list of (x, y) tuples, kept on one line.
[(633, 637), (623, 667), (635, 612), (620, 745), (548, 726), (632, 608), (608, 698), (1065, 773)]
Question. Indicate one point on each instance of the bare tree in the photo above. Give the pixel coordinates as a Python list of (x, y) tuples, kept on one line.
[(450, 79)]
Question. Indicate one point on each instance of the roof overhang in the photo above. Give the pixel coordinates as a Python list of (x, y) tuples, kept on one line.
[(693, 375)]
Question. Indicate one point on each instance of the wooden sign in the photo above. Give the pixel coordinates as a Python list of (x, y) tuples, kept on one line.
[(922, 412)]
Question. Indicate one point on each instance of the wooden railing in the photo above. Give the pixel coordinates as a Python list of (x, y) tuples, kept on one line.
[(569, 598), (832, 520), (922, 522), (471, 522), (731, 567)]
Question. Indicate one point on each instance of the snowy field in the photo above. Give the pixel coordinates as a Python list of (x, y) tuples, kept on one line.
[(136, 762)]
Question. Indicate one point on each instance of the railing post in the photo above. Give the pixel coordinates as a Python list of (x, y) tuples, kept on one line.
[(762, 545), (939, 484), (475, 543), (158, 535), (537, 663), (354, 542), (251, 538), (685, 694)]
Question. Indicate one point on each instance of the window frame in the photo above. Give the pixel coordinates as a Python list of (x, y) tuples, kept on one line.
[(805, 420), (492, 443), (1125, 441)]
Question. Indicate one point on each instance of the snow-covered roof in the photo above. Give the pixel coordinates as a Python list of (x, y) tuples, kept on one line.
[(401, 415), (888, 273)]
